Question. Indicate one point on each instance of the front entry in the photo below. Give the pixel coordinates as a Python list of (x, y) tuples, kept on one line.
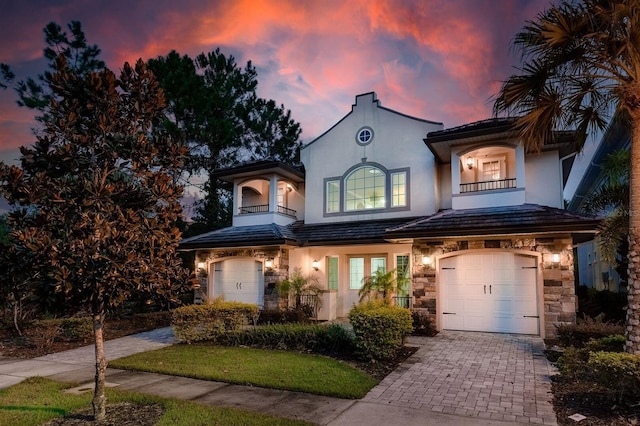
[(238, 280), (492, 291)]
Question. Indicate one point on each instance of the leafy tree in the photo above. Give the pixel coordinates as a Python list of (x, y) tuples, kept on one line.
[(99, 196), (581, 61), (5, 229), (612, 200), (212, 104), (81, 57)]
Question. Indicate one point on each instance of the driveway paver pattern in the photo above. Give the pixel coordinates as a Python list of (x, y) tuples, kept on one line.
[(504, 377)]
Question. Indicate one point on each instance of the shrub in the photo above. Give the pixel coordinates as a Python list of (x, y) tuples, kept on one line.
[(422, 325), (573, 364), (43, 333), (282, 316), (380, 329), (331, 339), (206, 322), (577, 335), (594, 302), (613, 343), (619, 372), (76, 329)]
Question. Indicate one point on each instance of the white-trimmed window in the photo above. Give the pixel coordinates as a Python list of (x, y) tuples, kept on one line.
[(365, 188), (358, 266), (333, 196), (398, 189), (332, 272)]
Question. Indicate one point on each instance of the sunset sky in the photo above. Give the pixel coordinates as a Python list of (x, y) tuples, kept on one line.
[(441, 60)]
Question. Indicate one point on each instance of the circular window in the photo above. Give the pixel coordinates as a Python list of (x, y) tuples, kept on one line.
[(365, 136)]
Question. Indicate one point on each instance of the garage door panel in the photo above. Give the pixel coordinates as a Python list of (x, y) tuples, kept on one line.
[(493, 292)]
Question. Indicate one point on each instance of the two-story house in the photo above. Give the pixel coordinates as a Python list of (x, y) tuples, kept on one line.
[(466, 214)]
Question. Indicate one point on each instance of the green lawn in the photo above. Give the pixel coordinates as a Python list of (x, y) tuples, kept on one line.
[(37, 400), (257, 367)]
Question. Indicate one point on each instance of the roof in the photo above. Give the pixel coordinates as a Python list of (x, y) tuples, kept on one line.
[(490, 130), (241, 236), (520, 219), (364, 232), (251, 168)]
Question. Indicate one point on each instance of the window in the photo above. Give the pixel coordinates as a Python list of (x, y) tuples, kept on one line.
[(491, 170), (333, 196), (365, 189), (398, 189), (402, 274), (357, 266), (332, 272), (356, 272), (365, 136)]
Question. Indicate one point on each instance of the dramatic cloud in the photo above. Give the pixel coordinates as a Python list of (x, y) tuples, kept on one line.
[(441, 60)]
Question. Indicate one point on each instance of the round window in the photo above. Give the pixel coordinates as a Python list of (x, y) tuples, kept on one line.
[(365, 136)]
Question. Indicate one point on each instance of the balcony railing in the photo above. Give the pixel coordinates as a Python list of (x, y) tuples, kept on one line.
[(260, 208), (264, 208), (488, 185)]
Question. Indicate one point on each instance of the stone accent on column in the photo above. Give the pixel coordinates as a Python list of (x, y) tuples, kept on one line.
[(633, 310)]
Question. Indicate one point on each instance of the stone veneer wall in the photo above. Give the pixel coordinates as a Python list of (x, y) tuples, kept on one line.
[(560, 302), (279, 272)]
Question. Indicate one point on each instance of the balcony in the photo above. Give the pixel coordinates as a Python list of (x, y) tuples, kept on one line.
[(264, 208), (490, 185)]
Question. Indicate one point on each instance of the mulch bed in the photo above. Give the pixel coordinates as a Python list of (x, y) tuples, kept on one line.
[(124, 414)]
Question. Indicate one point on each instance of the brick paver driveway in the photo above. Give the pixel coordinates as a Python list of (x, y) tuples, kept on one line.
[(483, 375)]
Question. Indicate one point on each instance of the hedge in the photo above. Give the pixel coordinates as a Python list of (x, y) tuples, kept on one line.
[(380, 329), (205, 322)]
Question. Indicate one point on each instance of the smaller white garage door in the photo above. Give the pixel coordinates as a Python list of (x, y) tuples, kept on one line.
[(238, 280), (494, 291)]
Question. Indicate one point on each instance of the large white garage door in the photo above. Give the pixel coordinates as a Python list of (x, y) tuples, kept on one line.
[(493, 292), (238, 280)]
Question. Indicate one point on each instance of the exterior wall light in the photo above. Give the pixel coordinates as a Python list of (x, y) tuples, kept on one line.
[(426, 261), (268, 263), (555, 258), (315, 265), (201, 265), (470, 162)]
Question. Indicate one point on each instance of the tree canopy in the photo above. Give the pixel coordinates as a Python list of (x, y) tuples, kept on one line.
[(581, 64), (213, 106), (98, 196)]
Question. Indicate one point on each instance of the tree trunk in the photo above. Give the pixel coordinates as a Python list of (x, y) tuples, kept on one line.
[(633, 310), (99, 398)]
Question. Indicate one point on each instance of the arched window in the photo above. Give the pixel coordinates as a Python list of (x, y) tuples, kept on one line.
[(365, 189)]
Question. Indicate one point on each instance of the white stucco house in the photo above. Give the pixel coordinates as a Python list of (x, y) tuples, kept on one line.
[(475, 222)]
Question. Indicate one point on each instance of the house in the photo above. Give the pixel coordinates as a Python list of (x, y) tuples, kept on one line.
[(473, 220), (593, 272)]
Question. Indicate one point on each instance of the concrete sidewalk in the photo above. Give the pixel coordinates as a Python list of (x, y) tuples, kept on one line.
[(77, 366)]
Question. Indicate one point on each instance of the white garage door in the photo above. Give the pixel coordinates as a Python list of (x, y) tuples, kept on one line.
[(493, 292), (238, 280)]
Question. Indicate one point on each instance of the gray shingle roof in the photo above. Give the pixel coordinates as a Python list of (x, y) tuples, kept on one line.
[(241, 236), (525, 218)]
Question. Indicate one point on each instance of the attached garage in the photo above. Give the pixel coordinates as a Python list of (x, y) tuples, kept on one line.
[(239, 280), (493, 291)]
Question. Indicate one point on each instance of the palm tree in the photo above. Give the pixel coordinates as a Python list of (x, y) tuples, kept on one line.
[(581, 64), (612, 200)]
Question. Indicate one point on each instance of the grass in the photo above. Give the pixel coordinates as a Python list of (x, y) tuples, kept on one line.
[(37, 400), (257, 367)]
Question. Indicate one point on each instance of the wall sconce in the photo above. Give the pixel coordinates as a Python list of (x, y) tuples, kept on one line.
[(470, 162), (315, 265), (426, 261), (201, 265), (289, 188), (268, 263), (555, 258)]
